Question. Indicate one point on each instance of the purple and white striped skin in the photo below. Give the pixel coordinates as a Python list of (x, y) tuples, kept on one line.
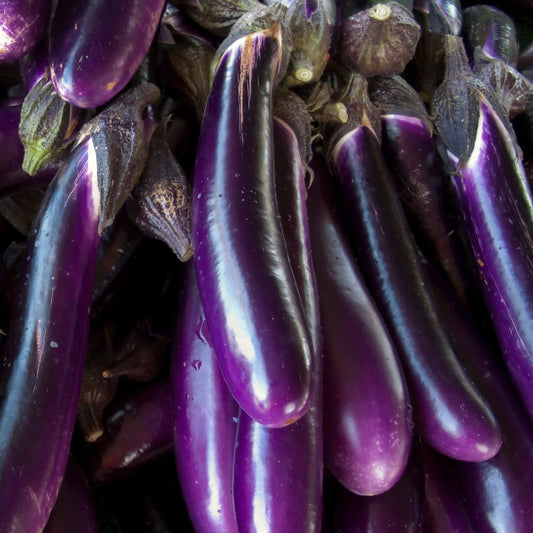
[(367, 418), (204, 419), (449, 413), (496, 205), (41, 367), (137, 430), (277, 482), (75, 509), (398, 509), (22, 24), (96, 48), (497, 493), (245, 280)]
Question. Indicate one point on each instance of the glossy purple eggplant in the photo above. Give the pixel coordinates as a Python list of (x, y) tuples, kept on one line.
[(367, 417), (137, 430), (75, 508), (448, 411), (398, 509), (245, 280), (497, 493), (41, 367), (277, 483), (496, 205), (22, 24), (410, 149), (204, 418), (96, 48)]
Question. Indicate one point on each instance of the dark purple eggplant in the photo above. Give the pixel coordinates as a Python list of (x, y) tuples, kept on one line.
[(204, 418), (367, 417), (137, 430), (449, 412), (41, 367), (245, 280), (281, 490), (95, 49), (22, 25), (398, 509), (492, 193), (75, 508), (410, 149)]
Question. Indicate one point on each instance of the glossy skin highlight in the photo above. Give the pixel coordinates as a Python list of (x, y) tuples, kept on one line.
[(246, 284), (448, 411)]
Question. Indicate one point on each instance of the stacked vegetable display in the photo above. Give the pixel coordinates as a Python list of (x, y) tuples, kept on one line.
[(266, 266)]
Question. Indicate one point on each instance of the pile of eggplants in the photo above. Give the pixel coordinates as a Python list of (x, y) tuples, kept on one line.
[(266, 266)]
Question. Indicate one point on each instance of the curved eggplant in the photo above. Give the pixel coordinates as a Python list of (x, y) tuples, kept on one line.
[(449, 412), (22, 24), (367, 418), (277, 481), (492, 193), (245, 280), (41, 367), (96, 48), (204, 419)]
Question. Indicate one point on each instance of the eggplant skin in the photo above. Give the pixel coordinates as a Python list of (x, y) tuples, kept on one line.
[(95, 49), (246, 284), (22, 24), (42, 364)]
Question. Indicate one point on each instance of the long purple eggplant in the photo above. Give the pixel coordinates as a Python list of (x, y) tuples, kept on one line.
[(204, 418), (494, 198), (96, 48), (449, 412), (75, 508), (22, 24), (367, 417), (245, 280), (42, 364), (281, 489)]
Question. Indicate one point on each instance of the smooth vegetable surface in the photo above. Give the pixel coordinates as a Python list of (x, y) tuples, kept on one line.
[(246, 284)]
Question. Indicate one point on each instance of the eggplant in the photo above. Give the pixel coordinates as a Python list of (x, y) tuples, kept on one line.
[(22, 25), (95, 49), (75, 508), (493, 195), (367, 417), (245, 280), (277, 481), (137, 430), (398, 509), (204, 416), (449, 412), (41, 367)]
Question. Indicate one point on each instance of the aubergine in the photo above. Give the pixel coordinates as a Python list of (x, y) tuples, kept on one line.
[(282, 490), (22, 25), (494, 198), (367, 416), (41, 367), (204, 418), (246, 285), (449, 413), (95, 49)]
